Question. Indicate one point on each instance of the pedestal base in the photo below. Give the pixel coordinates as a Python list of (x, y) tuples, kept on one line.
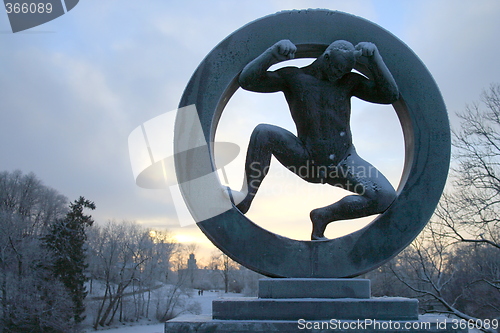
[(198, 324), (311, 305), (384, 308)]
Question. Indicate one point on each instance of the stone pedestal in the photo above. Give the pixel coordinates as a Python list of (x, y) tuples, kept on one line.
[(310, 305)]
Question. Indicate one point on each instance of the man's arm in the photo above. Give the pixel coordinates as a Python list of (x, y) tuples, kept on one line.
[(382, 88), (256, 77)]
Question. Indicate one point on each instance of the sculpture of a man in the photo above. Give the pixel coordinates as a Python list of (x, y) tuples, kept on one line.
[(318, 96)]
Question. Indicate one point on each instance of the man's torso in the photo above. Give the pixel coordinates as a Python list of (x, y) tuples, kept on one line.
[(321, 111)]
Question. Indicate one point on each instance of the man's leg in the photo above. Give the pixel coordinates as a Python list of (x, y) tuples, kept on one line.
[(374, 194), (268, 140)]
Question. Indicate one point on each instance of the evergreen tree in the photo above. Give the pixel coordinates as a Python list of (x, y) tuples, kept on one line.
[(66, 239)]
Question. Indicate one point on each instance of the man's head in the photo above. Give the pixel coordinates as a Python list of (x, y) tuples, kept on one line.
[(338, 59)]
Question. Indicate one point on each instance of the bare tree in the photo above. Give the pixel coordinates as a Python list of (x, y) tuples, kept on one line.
[(118, 257), (156, 271), (226, 266), (471, 210), (424, 268), (26, 197), (456, 261), (174, 300), (131, 262), (447, 276), (385, 283)]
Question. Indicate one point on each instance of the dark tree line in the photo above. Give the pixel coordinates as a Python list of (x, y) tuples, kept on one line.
[(51, 252)]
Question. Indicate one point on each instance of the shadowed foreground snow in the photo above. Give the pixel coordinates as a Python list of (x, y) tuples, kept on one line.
[(157, 328)]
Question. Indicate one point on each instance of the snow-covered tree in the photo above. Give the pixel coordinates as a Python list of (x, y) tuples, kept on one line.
[(30, 299), (66, 240)]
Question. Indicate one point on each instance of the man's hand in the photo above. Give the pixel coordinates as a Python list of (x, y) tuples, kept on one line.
[(366, 49), (284, 50), (256, 76), (383, 88)]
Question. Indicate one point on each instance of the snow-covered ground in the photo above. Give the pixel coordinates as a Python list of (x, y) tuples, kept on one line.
[(205, 302), (156, 328)]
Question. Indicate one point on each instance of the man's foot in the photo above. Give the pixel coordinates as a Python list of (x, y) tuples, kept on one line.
[(319, 225), (237, 198), (244, 206)]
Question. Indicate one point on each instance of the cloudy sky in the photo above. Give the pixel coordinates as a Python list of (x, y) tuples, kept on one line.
[(72, 91)]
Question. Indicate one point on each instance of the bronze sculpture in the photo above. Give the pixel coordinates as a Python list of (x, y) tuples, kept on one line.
[(318, 96), (424, 123)]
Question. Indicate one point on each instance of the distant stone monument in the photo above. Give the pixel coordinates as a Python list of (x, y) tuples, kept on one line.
[(313, 284), (192, 263)]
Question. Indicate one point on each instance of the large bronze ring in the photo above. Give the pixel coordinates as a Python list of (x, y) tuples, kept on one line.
[(421, 111)]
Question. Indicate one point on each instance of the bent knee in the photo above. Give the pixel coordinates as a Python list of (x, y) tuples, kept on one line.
[(384, 199), (379, 199), (268, 135), (262, 132), (265, 130)]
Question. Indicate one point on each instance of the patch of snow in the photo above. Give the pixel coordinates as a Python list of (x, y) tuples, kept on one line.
[(204, 300), (156, 328)]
